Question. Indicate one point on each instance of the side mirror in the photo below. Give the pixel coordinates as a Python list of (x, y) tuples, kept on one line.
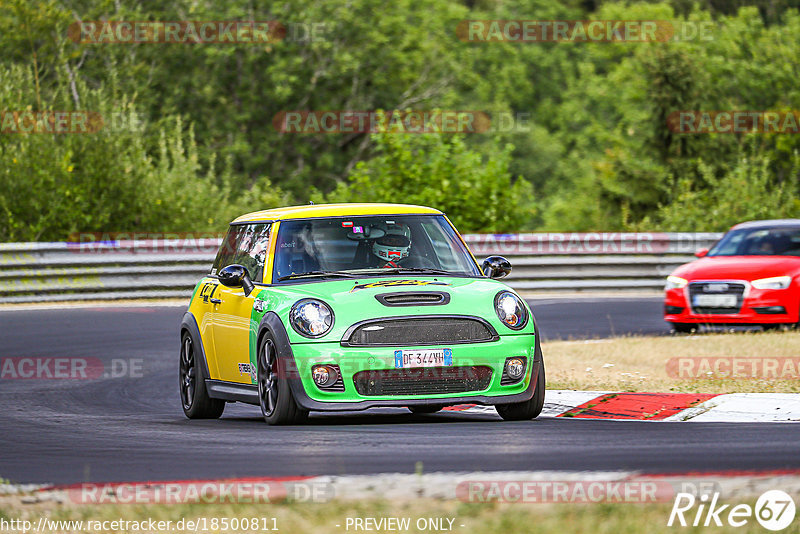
[(701, 253), (236, 276), (496, 267)]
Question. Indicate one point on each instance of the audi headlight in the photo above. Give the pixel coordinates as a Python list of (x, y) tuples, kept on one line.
[(776, 282), (311, 318), (510, 310), (675, 282)]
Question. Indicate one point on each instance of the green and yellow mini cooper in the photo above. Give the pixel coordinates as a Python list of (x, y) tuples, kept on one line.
[(346, 307)]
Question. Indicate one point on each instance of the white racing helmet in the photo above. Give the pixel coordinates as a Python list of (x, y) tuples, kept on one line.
[(395, 244)]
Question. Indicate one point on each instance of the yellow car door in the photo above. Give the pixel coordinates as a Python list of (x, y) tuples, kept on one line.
[(232, 314), (203, 307), (232, 334)]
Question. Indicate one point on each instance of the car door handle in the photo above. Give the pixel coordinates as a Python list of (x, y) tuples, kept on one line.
[(215, 301)]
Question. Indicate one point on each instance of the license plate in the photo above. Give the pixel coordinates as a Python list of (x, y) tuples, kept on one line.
[(715, 301), (404, 359)]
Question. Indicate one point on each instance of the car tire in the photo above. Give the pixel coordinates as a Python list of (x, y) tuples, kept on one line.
[(274, 395), (192, 382), (530, 409), (684, 328), (425, 409)]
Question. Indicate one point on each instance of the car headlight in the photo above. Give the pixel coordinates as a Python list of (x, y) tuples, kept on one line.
[(510, 310), (675, 282), (311, 318), (776, 282)]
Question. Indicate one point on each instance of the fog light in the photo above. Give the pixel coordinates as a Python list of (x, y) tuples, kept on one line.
[(515, 367), (324, 375)]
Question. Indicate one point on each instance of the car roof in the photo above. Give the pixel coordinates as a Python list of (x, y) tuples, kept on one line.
[(771, 223), (335, 210)]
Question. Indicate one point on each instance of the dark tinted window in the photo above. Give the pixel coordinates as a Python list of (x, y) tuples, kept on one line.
[(780, 241), (247, 245), (227, 249)]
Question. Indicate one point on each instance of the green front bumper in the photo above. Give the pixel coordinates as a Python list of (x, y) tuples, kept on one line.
[(352, 360)]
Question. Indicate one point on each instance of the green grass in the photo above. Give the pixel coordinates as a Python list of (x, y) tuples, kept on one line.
[(477, 518), (639, 363)]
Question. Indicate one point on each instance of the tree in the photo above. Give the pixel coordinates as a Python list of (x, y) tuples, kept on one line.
[(438, 170)]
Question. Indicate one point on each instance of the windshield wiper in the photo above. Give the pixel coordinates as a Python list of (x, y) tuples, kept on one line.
[(398, 270), (424, 270), (316, 273)]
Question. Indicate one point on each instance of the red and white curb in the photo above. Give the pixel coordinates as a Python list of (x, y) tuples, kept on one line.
[(704, 407)]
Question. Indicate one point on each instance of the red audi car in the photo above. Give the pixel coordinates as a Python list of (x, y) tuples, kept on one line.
[(749, 277)]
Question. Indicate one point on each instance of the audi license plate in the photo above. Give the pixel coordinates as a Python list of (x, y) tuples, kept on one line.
[(715, 301), (404, 359)]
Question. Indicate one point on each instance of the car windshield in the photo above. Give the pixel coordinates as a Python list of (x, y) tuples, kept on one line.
[(780, 241), (370, 245)]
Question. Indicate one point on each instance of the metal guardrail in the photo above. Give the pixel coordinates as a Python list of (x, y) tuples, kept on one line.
[(543, 262)]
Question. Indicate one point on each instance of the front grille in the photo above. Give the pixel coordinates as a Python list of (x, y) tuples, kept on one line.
[(421, 298), (713, 288), (423, 381), (415, 331)]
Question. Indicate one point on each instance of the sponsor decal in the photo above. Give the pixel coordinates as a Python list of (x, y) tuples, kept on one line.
[(396, 283), (259, 305), (246, 369), (207, 292)]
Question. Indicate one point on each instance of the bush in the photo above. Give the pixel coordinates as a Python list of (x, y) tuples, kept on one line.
[(746, 192), (150, 179), (440, 171)]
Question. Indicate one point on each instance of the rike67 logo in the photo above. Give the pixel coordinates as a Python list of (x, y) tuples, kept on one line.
[(774, 510)]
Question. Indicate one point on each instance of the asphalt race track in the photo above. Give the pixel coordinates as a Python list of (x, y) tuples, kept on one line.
[(132, 428), (599, 317)]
